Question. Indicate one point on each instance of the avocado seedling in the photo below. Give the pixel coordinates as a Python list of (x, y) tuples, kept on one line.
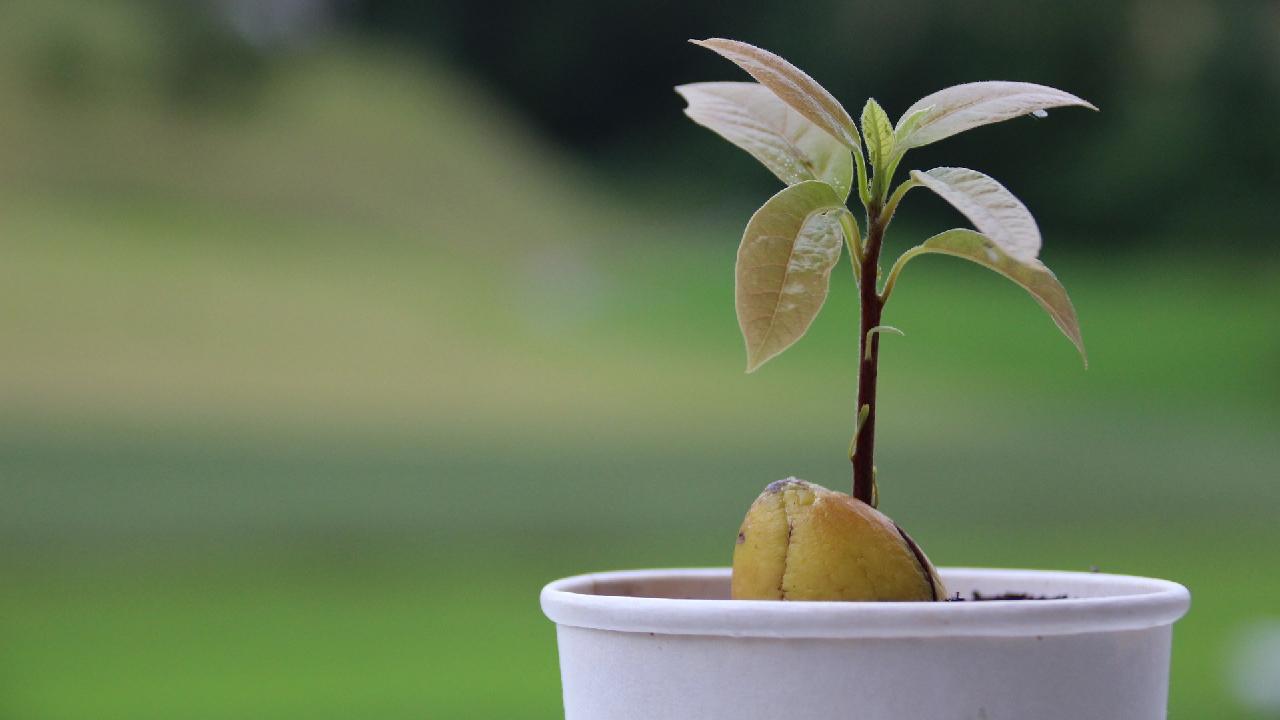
[(800, 541)]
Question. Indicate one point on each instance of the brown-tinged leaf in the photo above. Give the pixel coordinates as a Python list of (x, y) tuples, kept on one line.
[(1032, 275), (989, 206), (750, 116), (791, 85), (784, 267), (967, 106)]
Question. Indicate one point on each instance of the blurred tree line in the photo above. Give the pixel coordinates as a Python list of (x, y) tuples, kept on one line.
[(1185, 146), (1186, 143)]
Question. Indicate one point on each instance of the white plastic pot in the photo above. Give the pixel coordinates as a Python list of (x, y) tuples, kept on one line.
[(670, 645)]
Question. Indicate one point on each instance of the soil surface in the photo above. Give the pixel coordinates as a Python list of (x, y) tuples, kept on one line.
[(979, 597)]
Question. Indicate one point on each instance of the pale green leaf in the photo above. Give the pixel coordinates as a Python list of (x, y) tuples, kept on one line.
[(877, 132), (908, 123), (971, 105), (989, 206), (750, 116), (880, 329), (1032, 275), (784, 267), (791, 84)]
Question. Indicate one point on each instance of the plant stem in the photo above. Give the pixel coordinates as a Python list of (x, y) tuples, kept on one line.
[(868, 358)]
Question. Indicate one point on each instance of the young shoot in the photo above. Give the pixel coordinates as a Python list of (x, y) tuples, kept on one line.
[(800, 132)]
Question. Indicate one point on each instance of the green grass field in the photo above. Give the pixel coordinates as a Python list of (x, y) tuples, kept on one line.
[(300, 407)]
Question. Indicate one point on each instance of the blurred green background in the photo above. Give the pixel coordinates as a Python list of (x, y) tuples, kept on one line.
[(332, 331)]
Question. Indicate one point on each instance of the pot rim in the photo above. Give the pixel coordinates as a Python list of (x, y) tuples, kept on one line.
[(1097, 602)]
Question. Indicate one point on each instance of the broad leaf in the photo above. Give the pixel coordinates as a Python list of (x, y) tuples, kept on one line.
[(750, 116), (784, 267), (989, 206), (792, 85), (877, 131), (1032, 275), (967, 106)]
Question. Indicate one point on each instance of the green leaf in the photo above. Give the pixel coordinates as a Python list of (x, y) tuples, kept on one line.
[(1032, 275), (784, 267), (967, 106), (908, 123), (791, 85), (880, 329), (750, 116), (989, 206), (878, 133)]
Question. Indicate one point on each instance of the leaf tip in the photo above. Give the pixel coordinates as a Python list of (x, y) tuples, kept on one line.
[(1081, 102), (1070, 326)]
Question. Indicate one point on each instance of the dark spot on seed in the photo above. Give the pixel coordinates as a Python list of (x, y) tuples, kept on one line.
[(778, 486), (920, 560), (742, 537)]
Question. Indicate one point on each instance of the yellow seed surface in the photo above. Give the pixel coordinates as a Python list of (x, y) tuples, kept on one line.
[(801, 541)]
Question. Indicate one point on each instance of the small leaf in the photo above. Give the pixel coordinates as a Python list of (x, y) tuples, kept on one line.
[(989, 206), (784, 267), (750, 116), (967, 106), (880, 329), (1032, 275), (791, 85), (908, 124), (878, 133)]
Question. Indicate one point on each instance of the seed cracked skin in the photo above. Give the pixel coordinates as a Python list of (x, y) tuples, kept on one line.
[(801, 541)]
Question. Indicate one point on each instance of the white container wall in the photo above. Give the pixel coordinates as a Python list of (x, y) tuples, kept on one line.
[(670, 645)]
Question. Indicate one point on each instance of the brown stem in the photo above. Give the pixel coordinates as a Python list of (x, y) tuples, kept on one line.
[(868, 359)]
